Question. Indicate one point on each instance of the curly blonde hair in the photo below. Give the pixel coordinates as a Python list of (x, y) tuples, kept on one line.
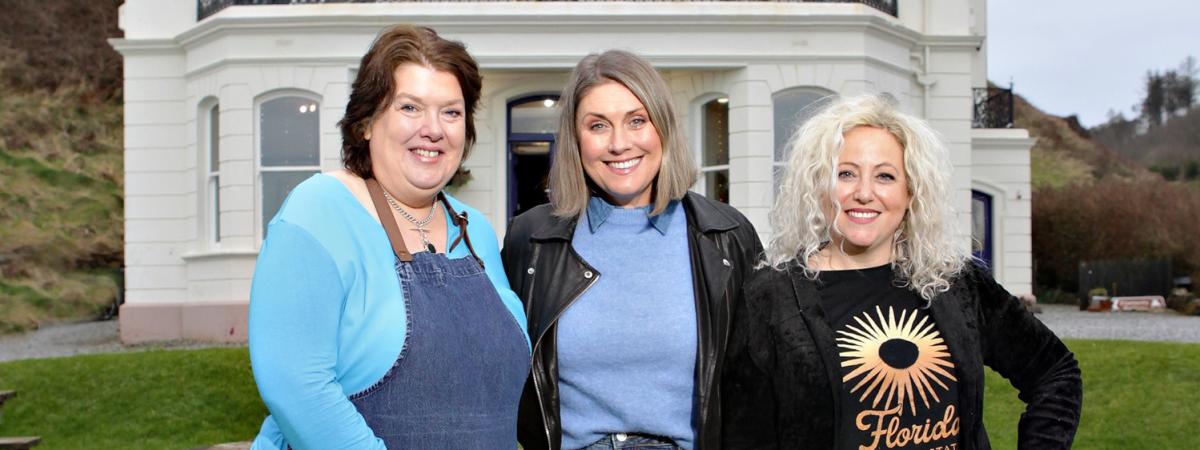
[(925, 254)]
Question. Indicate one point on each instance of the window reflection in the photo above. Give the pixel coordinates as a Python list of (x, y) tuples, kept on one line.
[(289, 130), (792, 108), (714, 115)]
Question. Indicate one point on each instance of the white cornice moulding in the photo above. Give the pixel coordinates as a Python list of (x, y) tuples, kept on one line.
[(218, 253), (130, 47), (559, 63)]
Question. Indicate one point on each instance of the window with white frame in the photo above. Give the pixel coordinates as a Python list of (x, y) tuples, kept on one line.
[(792, 108), (289, 149), (714, 149), (213, 174)]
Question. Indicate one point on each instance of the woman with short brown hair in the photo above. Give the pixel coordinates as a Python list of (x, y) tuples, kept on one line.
[(356, 341)]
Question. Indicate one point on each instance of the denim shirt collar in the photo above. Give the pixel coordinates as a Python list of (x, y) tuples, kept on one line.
[(598, 211)]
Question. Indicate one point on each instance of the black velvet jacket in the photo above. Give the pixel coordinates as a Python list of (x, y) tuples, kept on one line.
[(780, 385), (548, 275)]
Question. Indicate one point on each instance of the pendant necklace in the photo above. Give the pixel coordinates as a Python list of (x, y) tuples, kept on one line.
[(420, 224)]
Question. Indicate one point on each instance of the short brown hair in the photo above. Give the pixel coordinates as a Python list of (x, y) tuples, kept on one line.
[(569, 185), (375, 85)]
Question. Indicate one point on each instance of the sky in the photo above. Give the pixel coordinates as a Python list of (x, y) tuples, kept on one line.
[(1087, 57)]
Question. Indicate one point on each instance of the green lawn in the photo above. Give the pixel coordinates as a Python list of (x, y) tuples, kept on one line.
[(1137, 395), (160, 399)]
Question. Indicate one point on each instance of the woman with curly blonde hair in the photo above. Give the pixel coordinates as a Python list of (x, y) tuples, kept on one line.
[(870, 324)]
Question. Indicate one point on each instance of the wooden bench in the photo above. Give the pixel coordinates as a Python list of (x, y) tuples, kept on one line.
[(16, 443)]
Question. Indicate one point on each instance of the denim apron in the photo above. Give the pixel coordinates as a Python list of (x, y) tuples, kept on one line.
[(457, 382)]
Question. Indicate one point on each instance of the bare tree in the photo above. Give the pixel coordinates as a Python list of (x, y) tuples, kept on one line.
[(1171, 93), (1154, 103), (1185, 88)]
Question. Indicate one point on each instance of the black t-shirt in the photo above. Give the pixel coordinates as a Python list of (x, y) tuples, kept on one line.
[(898, 386)]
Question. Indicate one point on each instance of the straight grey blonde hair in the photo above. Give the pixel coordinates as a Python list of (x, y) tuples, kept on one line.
[(569, 184), (925, 254)]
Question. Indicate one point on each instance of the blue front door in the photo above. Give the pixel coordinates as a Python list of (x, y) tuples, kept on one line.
[(981, 227)]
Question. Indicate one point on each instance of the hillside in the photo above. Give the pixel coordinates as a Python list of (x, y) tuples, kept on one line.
[(61, 176), (1065, 154), (1090, 202)]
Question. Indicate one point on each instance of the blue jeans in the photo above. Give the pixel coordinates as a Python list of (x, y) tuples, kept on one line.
[(636, 441)]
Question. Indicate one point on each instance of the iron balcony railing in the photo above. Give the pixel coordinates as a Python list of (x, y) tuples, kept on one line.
[(993, 108), (205, 8)]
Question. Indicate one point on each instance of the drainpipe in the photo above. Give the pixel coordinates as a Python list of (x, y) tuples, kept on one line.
[(923, 78), (925, 81)]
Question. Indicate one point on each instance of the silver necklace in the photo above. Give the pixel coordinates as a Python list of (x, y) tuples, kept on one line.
[(420, 224)]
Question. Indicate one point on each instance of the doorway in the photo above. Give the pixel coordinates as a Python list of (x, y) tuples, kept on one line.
[(981, 227), (532, 125)]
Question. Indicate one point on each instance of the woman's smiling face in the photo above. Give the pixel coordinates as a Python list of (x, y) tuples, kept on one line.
[(871, 188), (417, 141), (619, 147)]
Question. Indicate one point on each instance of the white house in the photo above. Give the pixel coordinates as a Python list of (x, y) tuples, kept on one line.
[(230, 103)]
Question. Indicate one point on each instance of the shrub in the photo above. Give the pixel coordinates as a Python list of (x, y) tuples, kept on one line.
[(1053, 295), (1186, 304), (1112, 219)]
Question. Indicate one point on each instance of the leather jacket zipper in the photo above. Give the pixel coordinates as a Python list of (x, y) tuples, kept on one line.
[(537, 388)]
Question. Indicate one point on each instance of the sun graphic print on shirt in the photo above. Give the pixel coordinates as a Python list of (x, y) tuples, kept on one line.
[(898, 369)]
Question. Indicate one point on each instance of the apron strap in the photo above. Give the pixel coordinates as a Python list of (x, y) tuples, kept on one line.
[(460, 219), (388, 221)]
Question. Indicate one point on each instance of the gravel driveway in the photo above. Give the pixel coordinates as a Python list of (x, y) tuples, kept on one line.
[(1066, 321), (78, 339), (1069, 322)]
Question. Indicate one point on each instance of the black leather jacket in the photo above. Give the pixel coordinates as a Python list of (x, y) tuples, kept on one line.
[(781, 385), (548, 275)]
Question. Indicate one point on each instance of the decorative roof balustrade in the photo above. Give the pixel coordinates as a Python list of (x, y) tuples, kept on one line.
[(205, 8)]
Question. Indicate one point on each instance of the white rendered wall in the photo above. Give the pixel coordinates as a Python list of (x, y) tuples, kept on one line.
[(1001, 158), (159, 169), (156, 19)]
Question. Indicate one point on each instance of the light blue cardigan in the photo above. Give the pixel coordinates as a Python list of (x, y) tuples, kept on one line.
[(327, 315)]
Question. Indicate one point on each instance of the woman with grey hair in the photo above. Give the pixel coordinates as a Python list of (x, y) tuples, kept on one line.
[(870, 326), (627, 278)]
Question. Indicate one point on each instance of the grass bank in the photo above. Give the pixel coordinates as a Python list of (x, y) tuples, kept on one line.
[(61, 206), (1137, 395)]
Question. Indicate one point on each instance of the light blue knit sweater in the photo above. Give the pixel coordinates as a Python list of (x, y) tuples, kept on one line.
[(627, 346)]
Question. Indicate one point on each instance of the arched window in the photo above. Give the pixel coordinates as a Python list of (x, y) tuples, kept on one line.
[(289, 148), (714, 149), (981, 226), (211, 138), (793, 107)]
